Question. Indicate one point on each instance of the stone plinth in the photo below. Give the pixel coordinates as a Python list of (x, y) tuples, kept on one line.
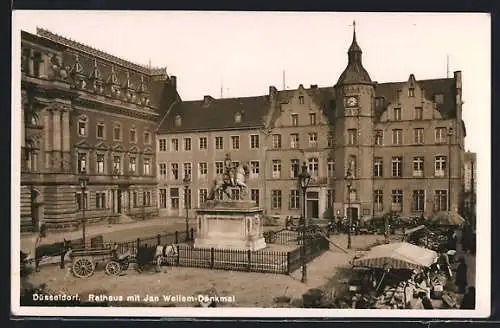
[(230, 225)]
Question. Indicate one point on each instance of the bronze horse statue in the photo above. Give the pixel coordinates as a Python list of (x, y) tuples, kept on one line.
[(234, 177)]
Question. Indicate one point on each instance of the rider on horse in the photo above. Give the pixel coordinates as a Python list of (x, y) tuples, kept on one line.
[(229, 171)]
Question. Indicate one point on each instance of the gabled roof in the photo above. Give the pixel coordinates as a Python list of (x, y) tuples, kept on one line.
[(216, 114)]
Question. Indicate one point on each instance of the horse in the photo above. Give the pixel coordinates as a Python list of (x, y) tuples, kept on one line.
[(241, 173), (163, 252), (62, 249)]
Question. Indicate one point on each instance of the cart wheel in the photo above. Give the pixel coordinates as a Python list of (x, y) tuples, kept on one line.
[(124, 265), (113, 268), (83, 267)]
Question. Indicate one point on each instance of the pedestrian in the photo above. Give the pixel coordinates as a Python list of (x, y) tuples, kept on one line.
[(461, 276), (444, 262), (469, 300), (426, 301)]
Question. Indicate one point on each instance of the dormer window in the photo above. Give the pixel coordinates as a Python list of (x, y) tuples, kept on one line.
[(439, 98), (237, 118), (411, 92), (178, 120), (301, 100)]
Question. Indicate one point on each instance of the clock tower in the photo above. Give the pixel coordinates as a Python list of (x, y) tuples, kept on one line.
[(354, 94)]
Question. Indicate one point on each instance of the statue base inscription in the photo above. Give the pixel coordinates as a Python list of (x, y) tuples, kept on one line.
[(230, 225)]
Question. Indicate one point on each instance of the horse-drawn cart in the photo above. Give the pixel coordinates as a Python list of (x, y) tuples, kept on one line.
[(85, 261)]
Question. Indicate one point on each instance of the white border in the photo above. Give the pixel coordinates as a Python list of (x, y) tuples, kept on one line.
[(483, 267)]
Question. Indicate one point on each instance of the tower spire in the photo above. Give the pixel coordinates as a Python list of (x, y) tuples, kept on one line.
[(354, 30)]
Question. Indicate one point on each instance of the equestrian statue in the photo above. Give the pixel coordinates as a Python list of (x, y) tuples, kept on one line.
[(234, 176)]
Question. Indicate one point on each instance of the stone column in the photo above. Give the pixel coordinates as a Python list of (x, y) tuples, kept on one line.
[(44, 66), (56, 133), (66, 137), (30, 62), (47, 139), (115, 199)]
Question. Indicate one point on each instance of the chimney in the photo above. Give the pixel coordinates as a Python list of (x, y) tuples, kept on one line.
[(173, 80), (207, 100), (272, 91), (458, 79), (314, 86)]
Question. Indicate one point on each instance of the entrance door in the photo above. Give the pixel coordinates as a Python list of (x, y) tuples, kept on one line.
[(312, 207), (119, 201), (354, 215)]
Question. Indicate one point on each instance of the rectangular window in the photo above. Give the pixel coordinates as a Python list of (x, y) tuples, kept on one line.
[(276, 141), (411, 92), (147, 198), (235, 142), (254, 169), (175, 144), (352, 136), (82, 162), (100, 200), (440, 200), (82, 128), (175, 171), (301, 100), (187, 170), (135, 203), (440, 135), (147, 138), (331, 168), (203, 169), (163, 198), (117, 165), (100, 130), (418, 201), (397, 137), (100, 163), (203, 143), (397, 200), (313, 166), (202, 196), (418, 136), (440, 166), (132, 136), (418, 166), (331, 140), (255, 196), (132, 165), (294, 199), (254, 141), (378, 167), (330, 199), (174, 198), (313, 139), (219, 167), (295, 119), (163, 169), (379, 138), (397, 114), (379, 200), (294, 168), (397, 167), (187, 144), (418, 113), (276, 169), (294, 140), (312, 119), (117, 132), (82, 202), (162, 144), (219, 143), (147, 166), (235, 194), (276, 199)]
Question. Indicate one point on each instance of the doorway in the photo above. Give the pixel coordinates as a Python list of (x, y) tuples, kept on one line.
[(312, 208), (353, 213)]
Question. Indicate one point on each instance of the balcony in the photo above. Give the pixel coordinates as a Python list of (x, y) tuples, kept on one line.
[(321, 181)]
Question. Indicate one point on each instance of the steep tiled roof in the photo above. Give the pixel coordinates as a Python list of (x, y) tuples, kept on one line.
[(216, 114)]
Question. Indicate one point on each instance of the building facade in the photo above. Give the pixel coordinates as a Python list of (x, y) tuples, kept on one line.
[(402, 144), (85, 112), (470, 185)]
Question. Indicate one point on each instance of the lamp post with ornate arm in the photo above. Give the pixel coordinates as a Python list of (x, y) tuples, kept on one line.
[(304, 179), (83, 179), (349, 211), (187, 181), (450, 134)]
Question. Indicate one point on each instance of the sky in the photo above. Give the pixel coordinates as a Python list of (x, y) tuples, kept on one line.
[(242, 54)]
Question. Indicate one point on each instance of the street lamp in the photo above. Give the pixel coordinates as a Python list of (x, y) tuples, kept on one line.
[(450, 134), (349, 211), (304, 179), (187, 181), (83, 186)]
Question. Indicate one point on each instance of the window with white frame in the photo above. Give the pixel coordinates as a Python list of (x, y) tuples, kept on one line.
[(100, 163), (418, 136), (174, 144), (411, 92), (418, 201), (301, 100), (187, 170), (294, 168), (276, 199), (202, 196), (378, 167), (352, 136), (294, 199), (379, 138), (313, 139), (331, 168), (295, 119), (175, 171), (174, 198), (254, 169), (162, 144), (146, 198), (117, 132), (219, 167), (82, 202), (163, 198), (254, 141), (312, 118), (132, 165), (187, 144), (82, 126), (294, 140), (440, 135), (100, 130), (276, 141), (254, 194), (418, 113), (132, 136), (379, 200), (397, 163), (440, 166), (100, 200), (203, 143), (313, 166), (117, 165), (219, 143), (397, 199), (276, 168), (203, 169), (235, 142), (235, 193), (163, 169), (418, 166), (397, 137), (147, 166), (397, 114), (441, 200)]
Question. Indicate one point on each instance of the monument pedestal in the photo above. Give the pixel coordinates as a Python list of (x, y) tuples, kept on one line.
[(230, 225)]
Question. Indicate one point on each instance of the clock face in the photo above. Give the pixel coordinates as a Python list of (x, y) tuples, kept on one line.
[(352, 101)]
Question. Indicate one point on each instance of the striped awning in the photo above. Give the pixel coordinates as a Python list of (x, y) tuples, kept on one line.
[(397, 256)]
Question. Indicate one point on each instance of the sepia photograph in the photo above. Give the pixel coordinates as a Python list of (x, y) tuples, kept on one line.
[(266, 164)]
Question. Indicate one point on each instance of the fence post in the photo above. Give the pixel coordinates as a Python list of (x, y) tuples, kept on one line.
[(288, 263), (158, 239), (138, 243), (212, 257), (192, 234), (176, 236), (249, 256)]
